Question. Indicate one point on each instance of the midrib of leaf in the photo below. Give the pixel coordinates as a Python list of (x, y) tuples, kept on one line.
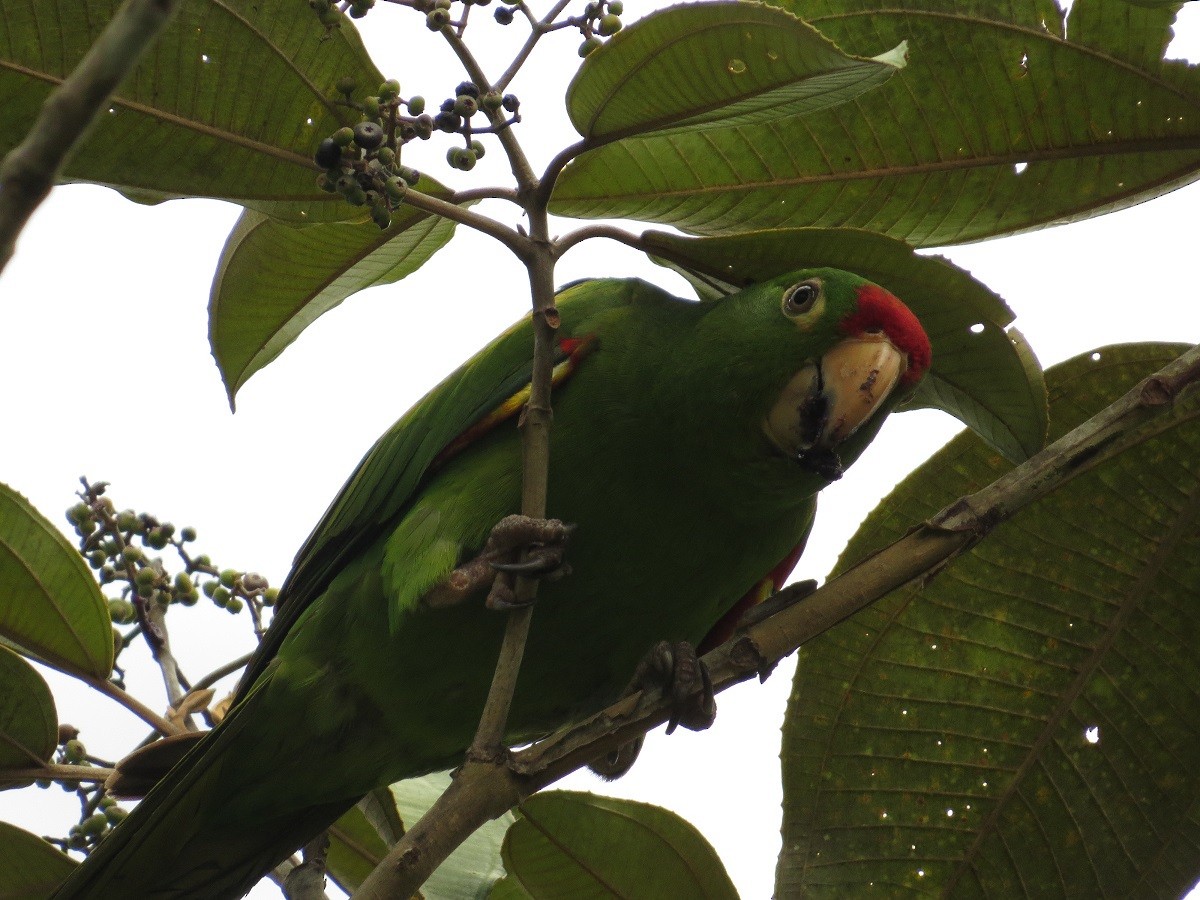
[(1109, 148), (354, 846), (53, 605), (657, 124), (164, 116), (1181, 528), (21, 748), (569, 854)]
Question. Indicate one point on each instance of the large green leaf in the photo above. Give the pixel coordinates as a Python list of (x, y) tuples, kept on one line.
[(32, 868), (571, 844), (50, 605), (981, 373), (714, 64), (230, 102), (274, 280), (28, 720), (1025, 723), (999, 123)]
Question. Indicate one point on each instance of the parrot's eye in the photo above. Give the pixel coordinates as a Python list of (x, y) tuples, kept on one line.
[(799, 298)]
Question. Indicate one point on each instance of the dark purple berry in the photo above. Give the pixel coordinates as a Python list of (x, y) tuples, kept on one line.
[(368, 135), (328, 154)]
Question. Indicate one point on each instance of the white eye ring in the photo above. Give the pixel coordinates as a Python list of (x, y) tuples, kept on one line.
[(800, 298)]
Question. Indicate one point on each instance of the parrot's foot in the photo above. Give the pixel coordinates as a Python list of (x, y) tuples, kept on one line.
[(676, 671), (543, 542)]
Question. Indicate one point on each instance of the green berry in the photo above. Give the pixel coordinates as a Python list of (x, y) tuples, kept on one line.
[(127, 520), (330, 17), (442, 4), (492, 101), (357, 12), (121, 611), (183, 584), (609, 25), (411, 175), (270, 596), (466, 106), (187, 534), (381, 215), (357, 196), (131, 554), (386, 156), (220, 596), (478, 149), (76, 841), (97, 559), (106, 802), (452, 156), (80, 512), (589, 46), (343, 137), (94, 824), (234, 605), (329, 154), (370, 107), (437, 19), (229, 577), (504, 15), (389, 90), (210, 588), (145, 576), (203, 560), (347, 85), (74, 751), (115, 814), (395, 188), (368, 135), (157, 538), (416, 106)]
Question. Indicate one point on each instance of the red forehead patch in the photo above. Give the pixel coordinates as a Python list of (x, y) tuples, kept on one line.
[(879, 310)]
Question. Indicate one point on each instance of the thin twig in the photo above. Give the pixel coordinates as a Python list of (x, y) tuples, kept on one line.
[(130, 702), (538, 29), (31, 168), (481, 792), (515, 242), (221, 671), (55, 772)]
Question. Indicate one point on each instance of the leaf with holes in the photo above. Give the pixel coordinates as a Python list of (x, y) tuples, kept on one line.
[(28, 720), (983, 374), (50, 605), (1025, 723), (274, 280), (1006, 118), (704, 65), (187, 121), (571, 844), (32, 868)]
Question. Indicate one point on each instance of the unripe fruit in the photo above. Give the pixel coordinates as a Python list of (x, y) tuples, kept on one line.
[(381, 216), (368, 135), (131, 554), (389, 90), (187, 534), (610, 24), (386, 156), (94, 824), (183, 584), (437, 19), (424, 126), (395, 188), (328, 154), (74, 751), (478, 149), (121, 611), (127, 520), (115, 814), (234, 605), (412, 176), (210, 588), (343, 137), (220, 596), (616, 7), (416, 106), (329, 17), (447, 122), (589, 46), (346, 85), (228, 577), (492, 101), (466, 105), (370, 107), (145, 576), (270, 596), (97, 559)]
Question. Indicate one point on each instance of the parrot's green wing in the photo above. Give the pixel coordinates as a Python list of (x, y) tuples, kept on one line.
[(489, 386)]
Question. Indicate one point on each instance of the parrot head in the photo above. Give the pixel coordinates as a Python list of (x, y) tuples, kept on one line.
[(841, 351)]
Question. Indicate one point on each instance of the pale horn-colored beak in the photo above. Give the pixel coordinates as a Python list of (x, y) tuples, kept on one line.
[(826, 401)]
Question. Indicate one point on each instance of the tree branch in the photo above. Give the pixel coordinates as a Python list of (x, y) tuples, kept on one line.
[(515, 242), (539, 28), (481, 793), (130, 702), (54, 772), (31, 168)]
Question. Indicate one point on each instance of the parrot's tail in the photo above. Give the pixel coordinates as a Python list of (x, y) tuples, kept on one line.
[(188, 841)]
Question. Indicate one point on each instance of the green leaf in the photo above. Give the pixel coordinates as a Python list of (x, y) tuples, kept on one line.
[(472, 868), (981, 373), (230, 102), (28, 720), (32, 868), (274, 280), (571, 844), (998, 124), (355, 849), (942, 740), (714, 64), (50, 605)]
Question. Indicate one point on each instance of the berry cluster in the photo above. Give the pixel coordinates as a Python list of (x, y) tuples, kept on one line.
[(600, 19), (99, 813), (457, 112), (363, 163), (119, 547)]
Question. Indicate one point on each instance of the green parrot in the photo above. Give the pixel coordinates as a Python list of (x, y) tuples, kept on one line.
[(689, 443)]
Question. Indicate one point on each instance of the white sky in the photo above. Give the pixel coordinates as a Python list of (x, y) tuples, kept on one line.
[(104, 354)]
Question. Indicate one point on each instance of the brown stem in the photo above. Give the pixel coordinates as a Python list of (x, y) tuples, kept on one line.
[(31, 168), (481, 793), (130, 702), (539, 28), (54, 772)]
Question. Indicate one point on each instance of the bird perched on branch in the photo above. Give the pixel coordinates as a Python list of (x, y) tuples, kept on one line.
[(689, 443)]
